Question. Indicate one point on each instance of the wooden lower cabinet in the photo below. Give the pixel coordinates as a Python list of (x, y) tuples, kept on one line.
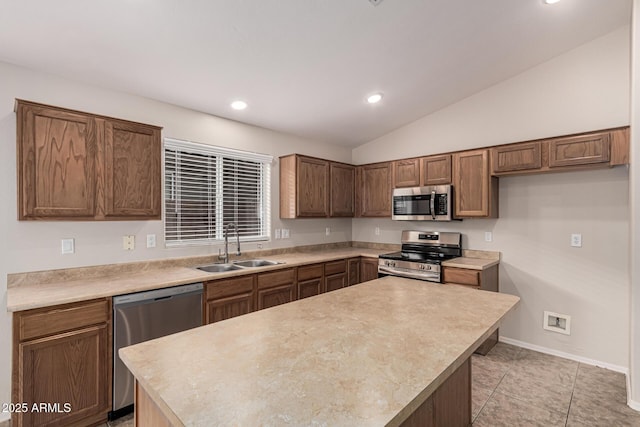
[(229, 298), (335, 275), (62, 359), (486, 280), (276, 288), (310, 280), (368, 269), (353, 271), (449, 405)]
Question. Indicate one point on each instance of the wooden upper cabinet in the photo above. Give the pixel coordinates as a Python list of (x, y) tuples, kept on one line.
[(584, 151), (132, 170), (374, 190), (406, 173), (342, 190), (436, 170), (579, 150), (517, 157), (56, 163), (74, 165), (304, 187), (475, 190)]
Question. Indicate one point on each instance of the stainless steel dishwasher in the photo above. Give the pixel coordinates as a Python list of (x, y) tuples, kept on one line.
[(144, 316)]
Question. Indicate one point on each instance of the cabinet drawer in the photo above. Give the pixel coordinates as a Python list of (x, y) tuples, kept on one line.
[(310, 272), (226, 287), (61, 318), (277, 278), (335, 267), (462, 276)]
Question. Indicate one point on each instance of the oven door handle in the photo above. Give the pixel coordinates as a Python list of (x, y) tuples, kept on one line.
[(430, 277), (432, 204)]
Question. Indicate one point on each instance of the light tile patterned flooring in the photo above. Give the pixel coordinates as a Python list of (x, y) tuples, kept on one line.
[(513, 386)]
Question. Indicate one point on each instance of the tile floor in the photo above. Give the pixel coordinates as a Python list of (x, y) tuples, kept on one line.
[(513, 386)]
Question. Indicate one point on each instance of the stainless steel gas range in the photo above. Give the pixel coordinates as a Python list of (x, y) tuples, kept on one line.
[(421, 255)]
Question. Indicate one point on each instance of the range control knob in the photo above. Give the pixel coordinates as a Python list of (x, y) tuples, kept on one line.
[(390, 263)]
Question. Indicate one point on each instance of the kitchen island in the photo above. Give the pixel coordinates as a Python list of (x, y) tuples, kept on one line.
[(373, 354)]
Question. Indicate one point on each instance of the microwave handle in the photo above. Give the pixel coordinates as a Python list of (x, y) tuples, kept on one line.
[(432, 204)]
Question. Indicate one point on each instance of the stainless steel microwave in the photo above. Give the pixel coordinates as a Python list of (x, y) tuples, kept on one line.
[(431, 203)]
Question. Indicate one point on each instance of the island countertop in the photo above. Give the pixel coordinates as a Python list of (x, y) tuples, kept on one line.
[(367, 355)]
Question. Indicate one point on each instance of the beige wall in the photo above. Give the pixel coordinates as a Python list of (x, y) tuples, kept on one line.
[(31, 246), (584, 89), (634, 355)]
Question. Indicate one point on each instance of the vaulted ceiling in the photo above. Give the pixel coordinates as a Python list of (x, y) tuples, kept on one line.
[(303, 66)]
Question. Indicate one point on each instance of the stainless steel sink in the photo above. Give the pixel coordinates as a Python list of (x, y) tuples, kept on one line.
[(256, 263), (219, 268)]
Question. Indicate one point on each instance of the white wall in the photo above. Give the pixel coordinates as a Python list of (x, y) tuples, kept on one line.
[(581, 90), (634, 355), (35, 245)]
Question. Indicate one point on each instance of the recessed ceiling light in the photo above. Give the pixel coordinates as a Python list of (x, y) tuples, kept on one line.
[(551, 1), (238, 105), (375, 98)]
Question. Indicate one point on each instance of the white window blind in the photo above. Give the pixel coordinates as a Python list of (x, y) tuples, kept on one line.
[(207, 187)]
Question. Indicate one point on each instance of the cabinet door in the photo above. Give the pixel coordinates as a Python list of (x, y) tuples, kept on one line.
[(368, 269), (353, 271), (309, 288), (516, 157), (276, 288), (312, 187), (132, 183), (56, 163), (476, 192), (374, 190), (342, 190), (335, 282), (579, 150), (406, 173), (436, 170), (276, 295), (72, 368), (228, 307)]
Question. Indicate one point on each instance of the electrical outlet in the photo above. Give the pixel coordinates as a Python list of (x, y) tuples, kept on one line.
[(285, 233), (576, 240), (128, 243), (68, 246), (151, 240), (488, 236), (377, 231), (277, 234), (327, 231)]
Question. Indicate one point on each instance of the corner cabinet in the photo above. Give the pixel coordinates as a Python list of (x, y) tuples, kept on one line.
[(374, 188), (475, 190), (74, 165), (62, 355)]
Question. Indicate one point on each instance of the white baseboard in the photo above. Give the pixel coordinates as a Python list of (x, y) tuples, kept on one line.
[(592, 362), (634, 405)]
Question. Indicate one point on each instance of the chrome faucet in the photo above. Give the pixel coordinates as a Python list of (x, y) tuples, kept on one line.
[(225, 257)]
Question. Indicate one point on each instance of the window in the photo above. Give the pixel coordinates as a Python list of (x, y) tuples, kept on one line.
[(207, 187)]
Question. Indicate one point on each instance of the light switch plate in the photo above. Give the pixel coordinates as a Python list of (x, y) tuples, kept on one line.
[(327, 231), (68, 246), (488, 236)]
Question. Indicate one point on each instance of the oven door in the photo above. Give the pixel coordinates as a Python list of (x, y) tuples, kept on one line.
[(422, 203)]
